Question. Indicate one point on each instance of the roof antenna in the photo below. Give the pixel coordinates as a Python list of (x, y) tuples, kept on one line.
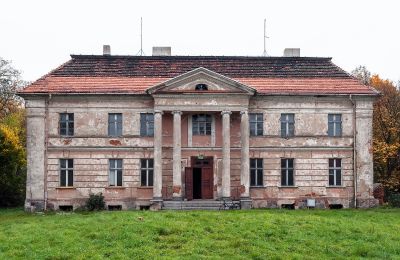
[(265, 54), (141, 52)]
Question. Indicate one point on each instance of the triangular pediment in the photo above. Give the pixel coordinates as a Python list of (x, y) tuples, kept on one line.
[(215, 83)]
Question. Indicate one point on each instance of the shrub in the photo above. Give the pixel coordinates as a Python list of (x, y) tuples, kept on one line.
[(394, 200), (95, 202)]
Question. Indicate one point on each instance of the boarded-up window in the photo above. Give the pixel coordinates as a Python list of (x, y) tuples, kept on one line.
[(334, 125), (256, 124), (115, 124), (146, 172), (256, 172), (67, 124), (115, 172), (287, 172), (287, 125), (335, 172), (146, 124), (66, 172), (201, 124)]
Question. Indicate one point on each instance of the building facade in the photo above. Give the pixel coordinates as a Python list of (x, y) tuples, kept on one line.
[(265, 131)]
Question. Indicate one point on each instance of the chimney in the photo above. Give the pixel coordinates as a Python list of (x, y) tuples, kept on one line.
[(106, 50), (161, 51), (291, 52)]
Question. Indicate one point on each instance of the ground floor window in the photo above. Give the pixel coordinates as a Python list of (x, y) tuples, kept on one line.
[(287, 172), (146, 172), (66, 172), (115, 172), (335, 172), (256, 172)]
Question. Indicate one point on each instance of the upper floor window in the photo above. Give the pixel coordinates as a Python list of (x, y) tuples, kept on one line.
[(335, 172), (146, 124), (146, 172), (256, 124), (115, 124), (287, 125), (334, 125), (66, 172), (67, 124), (115, 172), (256, 172), (287, 172), (201, 124), (201, 87)]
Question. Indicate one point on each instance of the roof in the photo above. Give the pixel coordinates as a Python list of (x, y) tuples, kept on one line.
[(135, 74)]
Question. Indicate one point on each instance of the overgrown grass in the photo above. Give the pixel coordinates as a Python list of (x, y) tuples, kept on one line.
[(257, 234)]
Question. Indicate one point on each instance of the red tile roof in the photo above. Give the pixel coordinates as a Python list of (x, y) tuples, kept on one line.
[(134, 74)]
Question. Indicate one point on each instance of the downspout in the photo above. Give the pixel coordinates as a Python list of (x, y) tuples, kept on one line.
[(354, 151), (46, 140)]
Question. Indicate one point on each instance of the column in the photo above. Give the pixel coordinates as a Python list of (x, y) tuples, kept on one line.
[(245, 161), (157, 185), (177, 173), (226, 155)]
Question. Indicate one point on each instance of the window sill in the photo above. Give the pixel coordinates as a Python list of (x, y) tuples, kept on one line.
[(145, 187), (66, 188), (256, 187), (336, 187), (288, 187), (116, 187)]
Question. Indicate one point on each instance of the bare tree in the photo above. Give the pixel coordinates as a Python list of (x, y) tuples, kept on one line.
[(10, 83), (362, 74)]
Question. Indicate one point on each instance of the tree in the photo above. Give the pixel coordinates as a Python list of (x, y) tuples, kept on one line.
[(362, 73), (10, 83)]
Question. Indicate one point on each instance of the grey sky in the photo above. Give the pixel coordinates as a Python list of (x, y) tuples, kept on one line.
[(39, 35)]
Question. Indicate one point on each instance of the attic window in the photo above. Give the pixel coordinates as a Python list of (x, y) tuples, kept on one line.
[(201, 87)]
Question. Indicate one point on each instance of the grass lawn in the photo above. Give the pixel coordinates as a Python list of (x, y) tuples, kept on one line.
[(257, 234)]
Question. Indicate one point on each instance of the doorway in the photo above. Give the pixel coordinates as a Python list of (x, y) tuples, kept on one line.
[(199, 180)]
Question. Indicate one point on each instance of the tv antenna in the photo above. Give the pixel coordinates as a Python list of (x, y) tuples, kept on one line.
[(265, 54), (141, 52)]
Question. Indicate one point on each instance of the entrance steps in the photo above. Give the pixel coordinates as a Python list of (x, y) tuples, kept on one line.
[(192, 205)]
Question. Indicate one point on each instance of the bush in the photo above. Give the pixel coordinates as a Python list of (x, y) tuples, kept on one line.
[(95, 202), (394, 200)]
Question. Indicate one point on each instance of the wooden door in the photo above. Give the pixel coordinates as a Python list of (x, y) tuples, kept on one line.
[(189, 183), (206, 183)]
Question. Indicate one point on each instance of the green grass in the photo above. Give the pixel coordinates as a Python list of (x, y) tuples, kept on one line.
[(256, 234)]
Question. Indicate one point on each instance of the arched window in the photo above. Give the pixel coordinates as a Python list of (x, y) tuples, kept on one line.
[(201, 87)]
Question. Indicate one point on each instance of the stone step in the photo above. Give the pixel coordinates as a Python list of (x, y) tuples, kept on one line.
[(192, 205)]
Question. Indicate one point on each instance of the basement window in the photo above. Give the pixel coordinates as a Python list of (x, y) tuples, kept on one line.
[(142, 207), (201, 87), (66, 208), (335, 206), (114, 207), (287, 206)]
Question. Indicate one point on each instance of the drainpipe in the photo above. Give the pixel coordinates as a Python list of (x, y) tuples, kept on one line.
[(46, 140), (354, 150)]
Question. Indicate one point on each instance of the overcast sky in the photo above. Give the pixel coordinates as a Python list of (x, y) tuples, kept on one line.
[(40, 35)]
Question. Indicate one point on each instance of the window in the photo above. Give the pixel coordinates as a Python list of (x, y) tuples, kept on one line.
[(201, 124), (256, 172), (146, 172), (256, 124), (146, 124), (287, 171), (201, 87), (114, 124), (115, 174), (66, 172), (335, 172), (287, 125), (334, 125), (67, 124)]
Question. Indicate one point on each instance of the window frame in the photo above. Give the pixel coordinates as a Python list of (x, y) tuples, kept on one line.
[(254, 119), (335, 171), (333, 121), (288, 124), (69, 119), (257, 170), (286, 170), (146, 124), (202, 127), (114, 169), (69, 169), (148, 170), (113, 118)]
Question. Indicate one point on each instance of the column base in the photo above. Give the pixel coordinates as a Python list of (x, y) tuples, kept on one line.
[(225, 198), (157, 204), (177, 198), (246, 203)]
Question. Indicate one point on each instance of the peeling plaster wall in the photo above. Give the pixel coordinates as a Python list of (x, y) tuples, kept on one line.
[(91, 148)]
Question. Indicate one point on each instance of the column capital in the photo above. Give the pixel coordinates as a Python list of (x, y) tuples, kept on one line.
[(158, 112), (226, 112), (176, 112), (244, 112)]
